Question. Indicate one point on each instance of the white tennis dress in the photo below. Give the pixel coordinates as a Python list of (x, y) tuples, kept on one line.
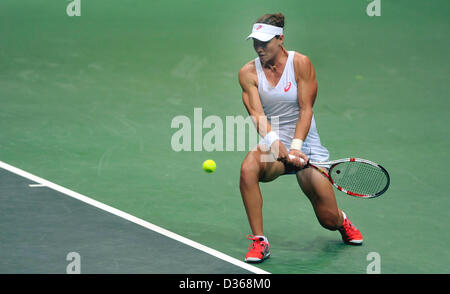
[(281, 101)]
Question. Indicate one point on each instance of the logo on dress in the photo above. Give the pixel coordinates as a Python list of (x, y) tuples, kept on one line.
[(287, 87)]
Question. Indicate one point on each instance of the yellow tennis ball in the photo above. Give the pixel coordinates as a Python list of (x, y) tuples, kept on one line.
[(209, 166)]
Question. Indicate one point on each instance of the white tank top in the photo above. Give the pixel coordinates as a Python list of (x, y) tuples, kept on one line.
[(281, 101)]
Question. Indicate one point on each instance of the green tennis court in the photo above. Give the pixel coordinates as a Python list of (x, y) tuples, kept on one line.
[(87, 102)]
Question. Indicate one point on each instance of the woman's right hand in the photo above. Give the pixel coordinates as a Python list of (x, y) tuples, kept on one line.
[(298, 158), (292, 158)]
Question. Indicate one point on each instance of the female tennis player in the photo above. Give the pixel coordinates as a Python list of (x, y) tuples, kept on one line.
[(280, 86)]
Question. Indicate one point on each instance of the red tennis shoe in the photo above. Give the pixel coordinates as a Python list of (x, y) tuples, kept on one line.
[(258, 251), (350, 234)]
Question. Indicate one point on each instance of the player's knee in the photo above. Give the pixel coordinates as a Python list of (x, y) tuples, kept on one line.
[(249, 172)]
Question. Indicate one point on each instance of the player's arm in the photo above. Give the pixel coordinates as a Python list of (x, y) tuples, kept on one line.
[(307, 91), (252, 102), (250, 97)]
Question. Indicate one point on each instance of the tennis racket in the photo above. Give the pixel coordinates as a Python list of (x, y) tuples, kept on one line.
[(354, 176)]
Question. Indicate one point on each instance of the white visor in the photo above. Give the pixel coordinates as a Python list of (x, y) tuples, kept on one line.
[(264, 32)]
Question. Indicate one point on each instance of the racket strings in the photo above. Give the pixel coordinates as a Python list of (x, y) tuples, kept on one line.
[(359, 177)]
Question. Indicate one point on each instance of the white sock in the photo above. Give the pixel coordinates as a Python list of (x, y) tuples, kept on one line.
[(344, 215), (264, 237)]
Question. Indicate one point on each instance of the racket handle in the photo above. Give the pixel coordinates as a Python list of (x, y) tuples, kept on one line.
[(301, 159)]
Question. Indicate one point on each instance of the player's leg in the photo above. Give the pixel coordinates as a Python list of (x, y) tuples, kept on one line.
[(253, 171), (321, 194)]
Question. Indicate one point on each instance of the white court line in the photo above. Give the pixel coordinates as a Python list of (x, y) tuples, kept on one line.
[(133, 219), (36, 185)]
